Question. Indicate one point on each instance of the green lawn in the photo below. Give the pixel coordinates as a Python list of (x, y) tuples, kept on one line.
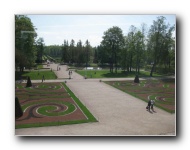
[(36, 75), (46, 97), (107, 74), (162, 91), (40, 66)]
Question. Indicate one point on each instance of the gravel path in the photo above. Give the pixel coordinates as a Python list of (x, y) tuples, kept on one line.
[(118, 113)]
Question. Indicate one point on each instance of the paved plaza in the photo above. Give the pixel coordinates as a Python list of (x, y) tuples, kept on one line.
[(118, 113)]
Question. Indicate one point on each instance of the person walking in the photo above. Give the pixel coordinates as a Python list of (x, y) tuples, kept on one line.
[(69, 74), (149, 105), (43, 78), (152, 104)]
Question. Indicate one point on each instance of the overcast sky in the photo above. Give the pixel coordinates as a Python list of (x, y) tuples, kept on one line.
[(54, 29)]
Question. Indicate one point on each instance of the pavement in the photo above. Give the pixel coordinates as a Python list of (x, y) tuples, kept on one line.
[(118, 113)]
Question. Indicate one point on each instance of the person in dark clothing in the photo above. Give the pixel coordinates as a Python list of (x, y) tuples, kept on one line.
[(152, 104), (149, 104), (43, 78)]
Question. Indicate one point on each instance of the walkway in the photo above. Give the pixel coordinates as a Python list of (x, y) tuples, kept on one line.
[(118, 113)]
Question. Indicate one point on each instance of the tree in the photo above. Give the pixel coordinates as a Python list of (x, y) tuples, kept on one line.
[(139, 44), (72, 50), (95, 60), (168, 52), (40, 49), (113, 41), (53, 50), (125, 55), (25, 51), (18, 109), (65, 52), (158, 41), (29, 83), (87, 52), (102, 55), (80, 53), (133, 49)]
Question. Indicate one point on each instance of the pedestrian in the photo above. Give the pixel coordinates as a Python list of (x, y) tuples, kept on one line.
[(152, 104), (69, 74), (43, 78), (148, 106)]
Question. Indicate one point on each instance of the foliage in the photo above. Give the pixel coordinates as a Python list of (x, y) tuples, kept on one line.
[(161, 43), (18, 109), (102, 55), (56, 96), (162, 91), (107, 74), (133, 52), (29, 83), (25, 51), (40, 50), (90, 117), (113, 41), (36, 75), (53, 50), (150, 48)]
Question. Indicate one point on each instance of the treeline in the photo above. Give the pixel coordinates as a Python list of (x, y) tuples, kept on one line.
[(151, 48), (73, 53), (28, 49), (53, 50)]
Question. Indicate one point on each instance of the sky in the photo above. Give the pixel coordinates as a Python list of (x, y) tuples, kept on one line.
[(54, 29), (9, 7)]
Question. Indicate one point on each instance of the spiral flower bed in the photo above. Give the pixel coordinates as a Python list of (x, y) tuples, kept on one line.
[(46, 104), (162, 91)]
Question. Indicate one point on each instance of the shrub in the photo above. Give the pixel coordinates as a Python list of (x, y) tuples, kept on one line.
[(136, 80), (29, 83), (18, 109)]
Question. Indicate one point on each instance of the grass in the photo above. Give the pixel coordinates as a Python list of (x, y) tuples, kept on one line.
[(46, 110), (36, 75), (164, 96), (40, 66), (51, 124), (90, 117), (43, 95), (119, 74)]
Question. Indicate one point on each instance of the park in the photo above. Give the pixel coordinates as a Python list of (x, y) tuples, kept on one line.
[(98, 104), (98, 91)]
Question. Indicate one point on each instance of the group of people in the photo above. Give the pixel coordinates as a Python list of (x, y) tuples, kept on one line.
[(150, 105)]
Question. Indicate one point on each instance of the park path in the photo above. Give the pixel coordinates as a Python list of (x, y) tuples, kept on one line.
[(63, 73), (118, 113)]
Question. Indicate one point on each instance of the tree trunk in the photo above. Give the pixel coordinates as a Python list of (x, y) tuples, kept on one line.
[(21, 68), (115, 63), (138, 67), (151, 72), (130, 62), (127, 68), (169, 64)]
